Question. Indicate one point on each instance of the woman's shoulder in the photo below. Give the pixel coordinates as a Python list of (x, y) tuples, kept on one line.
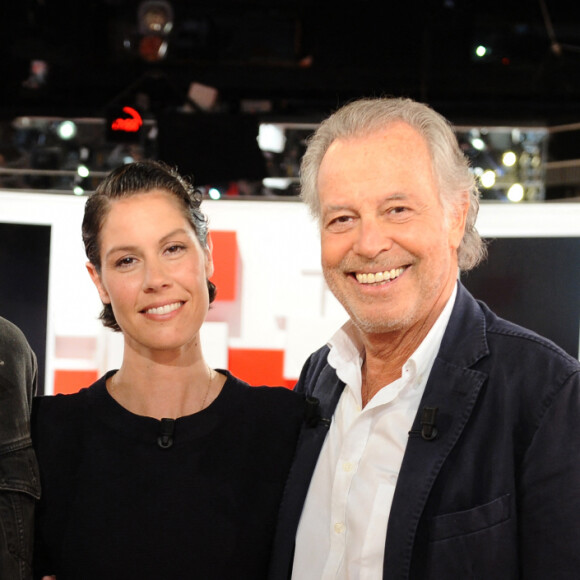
[(43, 405), (260, 391), (59, 404), (60, 412), (273, 401)]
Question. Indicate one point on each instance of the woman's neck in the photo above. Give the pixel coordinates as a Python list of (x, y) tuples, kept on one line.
[(162, 390)]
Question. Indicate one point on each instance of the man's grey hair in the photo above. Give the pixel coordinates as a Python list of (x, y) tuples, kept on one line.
[(450, 166)]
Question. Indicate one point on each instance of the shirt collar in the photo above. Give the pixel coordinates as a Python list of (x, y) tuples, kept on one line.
[(347, 351)]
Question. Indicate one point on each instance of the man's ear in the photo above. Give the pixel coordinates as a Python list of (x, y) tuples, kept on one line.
[(96, 278), (208, 257), (456, 221)]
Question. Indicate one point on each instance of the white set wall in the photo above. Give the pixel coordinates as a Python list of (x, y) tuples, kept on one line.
[(284, 303)]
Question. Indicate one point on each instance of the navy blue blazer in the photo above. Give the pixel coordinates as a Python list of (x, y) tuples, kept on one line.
[(496, 493)]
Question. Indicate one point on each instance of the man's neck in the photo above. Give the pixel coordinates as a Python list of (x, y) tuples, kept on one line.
[(385, 354), (381, 366)]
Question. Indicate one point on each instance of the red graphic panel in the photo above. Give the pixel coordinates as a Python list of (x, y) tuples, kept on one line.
[(66, 382), (259, 367), (225, 260)]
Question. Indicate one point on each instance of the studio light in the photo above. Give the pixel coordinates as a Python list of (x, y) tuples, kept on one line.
[(214, 193), (271, 138), (83, 171), (67, 130), (515, 193), (509, 159), (487, 179), (481, 51), (155, 19)]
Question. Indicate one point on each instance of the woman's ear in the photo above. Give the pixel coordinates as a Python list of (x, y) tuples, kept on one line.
[(96, 278), (208, 257)]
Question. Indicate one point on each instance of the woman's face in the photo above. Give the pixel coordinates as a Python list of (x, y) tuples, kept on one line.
[(153, 272)]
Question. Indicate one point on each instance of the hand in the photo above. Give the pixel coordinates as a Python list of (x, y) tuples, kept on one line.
[(49, 578)]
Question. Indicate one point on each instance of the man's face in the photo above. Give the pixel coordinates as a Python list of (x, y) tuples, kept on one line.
[(388, 251)]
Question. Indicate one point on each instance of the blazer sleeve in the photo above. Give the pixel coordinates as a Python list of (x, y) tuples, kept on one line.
[(550, 490)]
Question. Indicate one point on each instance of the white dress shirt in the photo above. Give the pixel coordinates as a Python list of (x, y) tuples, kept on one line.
[(343, 526)]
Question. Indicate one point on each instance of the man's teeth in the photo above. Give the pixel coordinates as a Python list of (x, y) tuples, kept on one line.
[(380, 276), (164, 309)]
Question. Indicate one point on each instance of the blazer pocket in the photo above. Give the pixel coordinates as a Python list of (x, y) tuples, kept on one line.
[(469, 521)]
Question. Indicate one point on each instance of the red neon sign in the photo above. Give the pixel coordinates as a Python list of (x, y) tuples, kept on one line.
[(130, 125)]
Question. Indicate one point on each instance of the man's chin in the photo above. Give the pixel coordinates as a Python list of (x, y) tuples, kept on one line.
[(379, 324)]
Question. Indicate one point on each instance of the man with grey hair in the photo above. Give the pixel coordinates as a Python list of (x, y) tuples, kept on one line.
[(442, 440)]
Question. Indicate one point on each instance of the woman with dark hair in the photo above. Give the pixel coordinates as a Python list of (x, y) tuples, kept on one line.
[(165, 468)]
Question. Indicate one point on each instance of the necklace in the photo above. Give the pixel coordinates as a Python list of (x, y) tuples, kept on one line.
[(113, 384), (210, 373)]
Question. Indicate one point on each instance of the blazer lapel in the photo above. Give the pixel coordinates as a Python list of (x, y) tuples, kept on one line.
[(327, 391), (455, 395), (453, 388)]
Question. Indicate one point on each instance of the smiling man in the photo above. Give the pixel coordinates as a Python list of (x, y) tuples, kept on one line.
[(442, 442)]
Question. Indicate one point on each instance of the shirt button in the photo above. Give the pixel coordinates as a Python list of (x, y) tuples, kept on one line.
[(339, 527), (347, 466)]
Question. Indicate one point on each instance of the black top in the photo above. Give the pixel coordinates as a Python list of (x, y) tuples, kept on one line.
[(117, 504)]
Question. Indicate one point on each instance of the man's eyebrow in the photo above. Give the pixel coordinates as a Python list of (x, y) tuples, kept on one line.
[(335, 207), (396, 196), (399, 196)]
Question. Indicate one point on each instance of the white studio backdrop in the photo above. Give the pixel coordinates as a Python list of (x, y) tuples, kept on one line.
[(283, 302)]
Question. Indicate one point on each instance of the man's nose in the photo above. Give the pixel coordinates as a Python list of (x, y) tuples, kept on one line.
[(373, 237)]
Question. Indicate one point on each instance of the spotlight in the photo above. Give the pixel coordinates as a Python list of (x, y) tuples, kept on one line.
[(155, 19), (476, 140), (83, 171), (487, 179), (277, 182), (67, 130), (509, 159), (515, 193), (481, 51), (271, 138)]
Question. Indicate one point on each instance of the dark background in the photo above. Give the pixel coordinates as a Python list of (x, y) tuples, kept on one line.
[(534, 282), (306, 57), (24, 270)]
